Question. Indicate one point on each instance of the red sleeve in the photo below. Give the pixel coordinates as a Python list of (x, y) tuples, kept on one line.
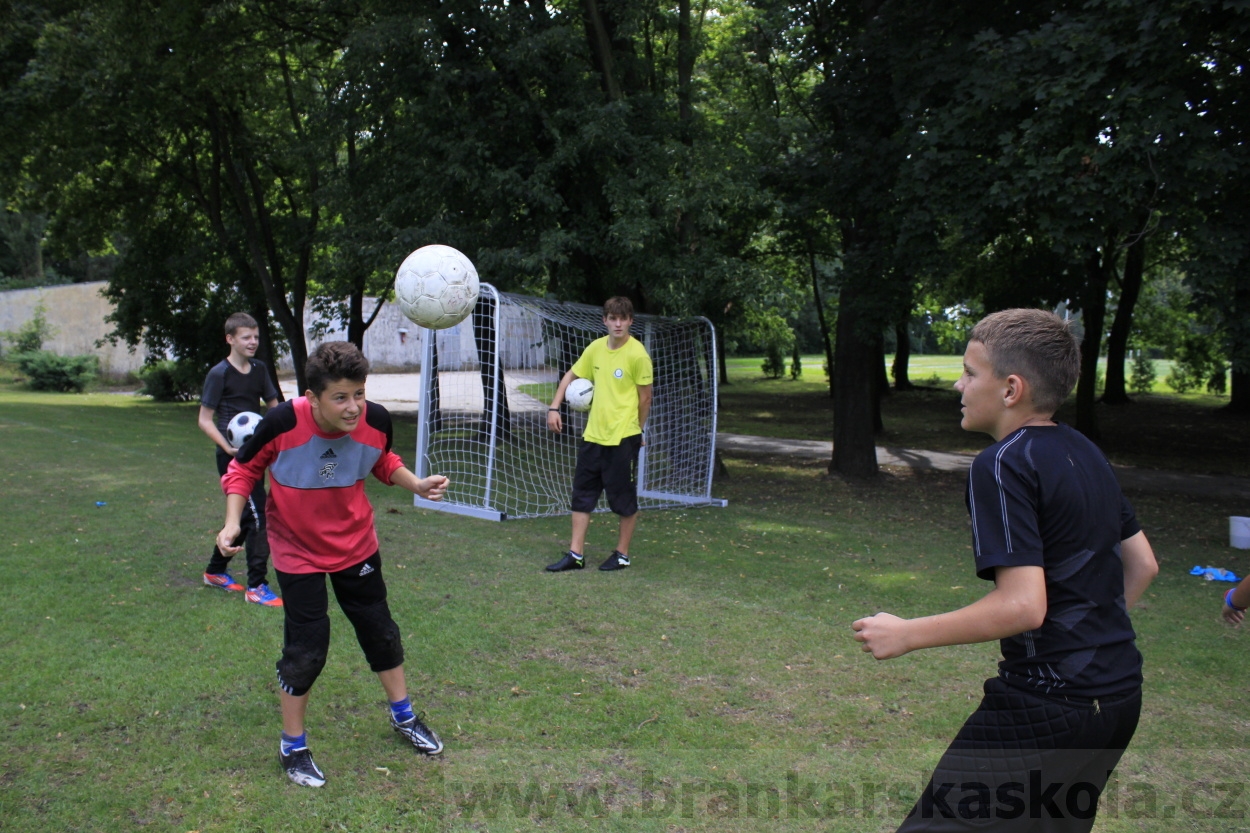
[(386, 466), (241, 478)]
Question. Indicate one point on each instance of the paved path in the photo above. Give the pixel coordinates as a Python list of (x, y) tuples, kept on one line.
[(398, 392), (1135, 479)]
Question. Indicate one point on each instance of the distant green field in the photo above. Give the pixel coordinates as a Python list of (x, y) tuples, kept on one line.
[(920, 369)]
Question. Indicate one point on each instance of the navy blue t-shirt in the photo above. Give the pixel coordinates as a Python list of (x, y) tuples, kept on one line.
[(1045, 496), (229, 392)]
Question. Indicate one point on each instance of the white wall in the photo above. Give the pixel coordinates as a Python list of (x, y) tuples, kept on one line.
[(76, 314)]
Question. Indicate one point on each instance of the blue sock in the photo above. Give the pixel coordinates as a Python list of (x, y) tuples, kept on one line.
[(289, 743), (402, 710)]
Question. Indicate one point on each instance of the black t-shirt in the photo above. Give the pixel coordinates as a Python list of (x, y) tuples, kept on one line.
[(1046, 496), (229, 392)]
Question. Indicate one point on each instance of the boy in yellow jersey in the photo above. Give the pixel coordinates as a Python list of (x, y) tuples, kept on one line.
[(620, 369)]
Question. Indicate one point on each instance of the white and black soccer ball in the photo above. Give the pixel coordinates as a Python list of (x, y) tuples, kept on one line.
[(579, 393), (436, 287), (241, 428)]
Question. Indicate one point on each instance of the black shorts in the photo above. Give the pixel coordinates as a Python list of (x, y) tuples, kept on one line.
[(1027, 761), (361, 594), (609, 469)]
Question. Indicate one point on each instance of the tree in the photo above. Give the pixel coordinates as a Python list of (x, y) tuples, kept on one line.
[(207, 133), (1074, 132)]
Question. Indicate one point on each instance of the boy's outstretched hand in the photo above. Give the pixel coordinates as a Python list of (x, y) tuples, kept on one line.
[(433, 487), (882, 635)]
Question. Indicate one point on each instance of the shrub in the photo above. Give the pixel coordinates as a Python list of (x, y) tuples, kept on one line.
[(48, 371), (171, 381), (1197, 363), (1142, 377), (30, 336), (774, 361), (796, 364)]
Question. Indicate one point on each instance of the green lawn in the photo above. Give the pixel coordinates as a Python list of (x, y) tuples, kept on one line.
[(713, 686), (921, 369), (1162, 431)]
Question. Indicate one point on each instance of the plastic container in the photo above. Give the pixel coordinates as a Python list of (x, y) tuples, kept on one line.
[(1239, 532)]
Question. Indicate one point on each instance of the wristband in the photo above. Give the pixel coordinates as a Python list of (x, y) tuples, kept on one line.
[(553, 409), (1228, 600)]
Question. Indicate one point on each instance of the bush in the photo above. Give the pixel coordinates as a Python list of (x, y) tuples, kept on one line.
[(48, 371), (171, 381), (30, 337), (774, 361), (796, 364), (1197, 363), (1142, 377)]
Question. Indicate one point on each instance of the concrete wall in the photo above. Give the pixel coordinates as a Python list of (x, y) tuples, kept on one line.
[(76, 314)]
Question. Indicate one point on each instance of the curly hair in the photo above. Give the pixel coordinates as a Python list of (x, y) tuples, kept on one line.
[(334, 361)]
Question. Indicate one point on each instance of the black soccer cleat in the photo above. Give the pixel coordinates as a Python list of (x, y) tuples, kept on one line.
[(616, 561), (418, 734), (300, 768), (571, 561)]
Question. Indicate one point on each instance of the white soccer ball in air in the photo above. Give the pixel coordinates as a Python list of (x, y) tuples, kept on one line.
[(579, 393), (436, 287), (241, 428)]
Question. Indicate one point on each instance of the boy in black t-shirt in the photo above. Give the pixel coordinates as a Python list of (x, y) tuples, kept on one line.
[(235, 384), (1055, 534)]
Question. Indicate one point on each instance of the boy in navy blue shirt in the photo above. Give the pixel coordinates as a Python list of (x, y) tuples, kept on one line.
[(239, 382), (1052, 530)]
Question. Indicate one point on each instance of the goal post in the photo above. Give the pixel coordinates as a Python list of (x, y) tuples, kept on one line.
[(485, 385)]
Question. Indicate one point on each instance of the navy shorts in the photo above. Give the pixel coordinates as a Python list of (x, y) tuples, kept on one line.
[(1027, 761), (361, 594), (607, 469)]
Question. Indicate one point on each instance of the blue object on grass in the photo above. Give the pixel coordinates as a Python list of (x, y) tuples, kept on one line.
[(100, 503), (1214, 573)]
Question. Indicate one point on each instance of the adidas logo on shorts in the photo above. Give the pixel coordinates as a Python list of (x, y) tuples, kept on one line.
[(366, 570)]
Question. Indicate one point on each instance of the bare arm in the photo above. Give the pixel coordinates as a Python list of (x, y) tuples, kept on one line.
[(1140, 567), (430, 488), (644, 404), (1015, 605), (208, 424), (1240, 596), (553, 413), (231, 529)]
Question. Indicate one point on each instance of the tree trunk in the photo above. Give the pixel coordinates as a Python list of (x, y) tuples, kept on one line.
[(490, 371), (266, 352), (820, 316), (1239, 392), (721, 365), (1115, 392), (881, 384), (1239, 315), (857, 363), (600, 41), (1093, 314), (902, 355)]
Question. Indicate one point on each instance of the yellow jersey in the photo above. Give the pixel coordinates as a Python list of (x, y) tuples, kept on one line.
[(616, 375)]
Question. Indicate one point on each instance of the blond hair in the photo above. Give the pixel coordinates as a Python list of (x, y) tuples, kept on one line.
[(1036, 345)]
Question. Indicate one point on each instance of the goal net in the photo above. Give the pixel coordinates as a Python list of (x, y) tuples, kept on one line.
[(485, 385)]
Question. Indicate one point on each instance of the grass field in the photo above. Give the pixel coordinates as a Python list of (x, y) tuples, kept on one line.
[(714, 686), (1191, 433)]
